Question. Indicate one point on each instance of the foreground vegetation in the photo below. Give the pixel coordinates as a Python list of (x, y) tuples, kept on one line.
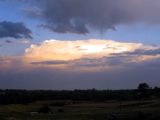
[(140, 104), (109, 110)]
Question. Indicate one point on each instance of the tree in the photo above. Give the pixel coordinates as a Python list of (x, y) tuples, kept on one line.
[(143, 87), (143, 90)]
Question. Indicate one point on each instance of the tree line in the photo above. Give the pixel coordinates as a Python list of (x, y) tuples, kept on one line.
[(143, 91)]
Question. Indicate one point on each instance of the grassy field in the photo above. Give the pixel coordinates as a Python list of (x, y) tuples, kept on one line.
[(109, 110)]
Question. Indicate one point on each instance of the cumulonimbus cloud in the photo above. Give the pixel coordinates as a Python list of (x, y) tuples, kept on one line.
[(78, 16), (104, 63), (89, 54), (71, 50), (82, 55)]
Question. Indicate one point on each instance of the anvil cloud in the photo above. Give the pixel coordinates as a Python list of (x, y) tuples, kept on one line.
[(89, 54), (71, 50)]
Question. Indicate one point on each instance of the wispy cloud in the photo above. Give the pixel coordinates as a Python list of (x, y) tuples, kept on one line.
[(50, 62)]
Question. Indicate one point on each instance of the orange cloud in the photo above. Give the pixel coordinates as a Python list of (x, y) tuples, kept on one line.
[(81, 55), (90, 55), (71, 50)]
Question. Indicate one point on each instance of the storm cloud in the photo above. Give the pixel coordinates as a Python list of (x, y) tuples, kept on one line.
[(89, 55), (14, 30), (79, 16), (131, 64), (40, 77)]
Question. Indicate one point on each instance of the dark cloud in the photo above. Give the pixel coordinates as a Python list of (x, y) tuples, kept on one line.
[(77, 16), (14, 29), (100, 62), (151, 52), (147, 52), (55, 62)]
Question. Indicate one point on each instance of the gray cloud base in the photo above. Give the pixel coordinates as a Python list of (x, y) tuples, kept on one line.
[(42, 78), (79, 16)]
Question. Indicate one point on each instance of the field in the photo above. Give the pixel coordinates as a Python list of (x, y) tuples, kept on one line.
[(84, 110)]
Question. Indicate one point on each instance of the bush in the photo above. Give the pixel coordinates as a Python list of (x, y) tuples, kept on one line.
[(45, 109)]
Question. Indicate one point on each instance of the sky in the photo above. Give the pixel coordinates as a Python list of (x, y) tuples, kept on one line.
[(79, 44)]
